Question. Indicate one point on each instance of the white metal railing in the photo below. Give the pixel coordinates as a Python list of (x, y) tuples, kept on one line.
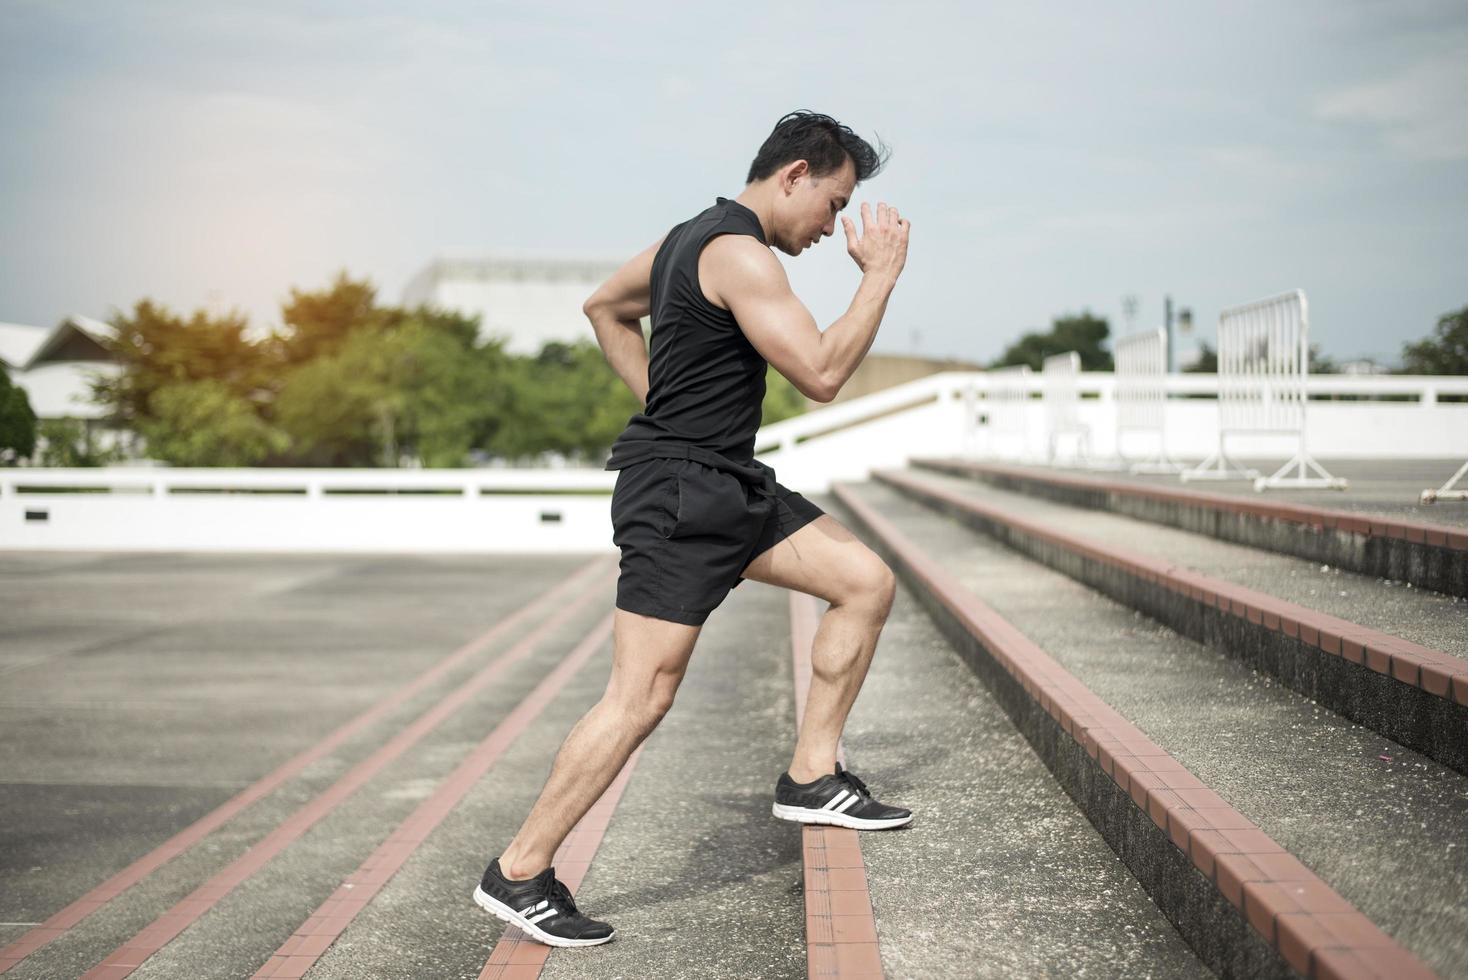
[(165, 481), (997, 404), (565, 508), (1061, 378), (1263, 370), (1141, 398), (1449, 490)]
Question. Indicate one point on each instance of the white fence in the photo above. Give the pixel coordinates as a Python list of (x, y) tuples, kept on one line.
[(1449, 490), (1141, 400), (997, 413), (490, 510), (1263, 370), (1062, 381)]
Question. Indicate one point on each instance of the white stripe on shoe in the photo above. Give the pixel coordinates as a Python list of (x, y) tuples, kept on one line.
[(837, 799), (848, 804), (810, 814)]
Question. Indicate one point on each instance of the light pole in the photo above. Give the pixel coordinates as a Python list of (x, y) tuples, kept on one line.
[(1185, 322)]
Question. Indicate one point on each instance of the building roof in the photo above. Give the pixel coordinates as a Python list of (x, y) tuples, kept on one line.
[(18, 341), (74, 338)]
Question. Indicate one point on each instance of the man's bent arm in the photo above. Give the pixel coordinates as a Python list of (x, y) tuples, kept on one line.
[(844, 344), (616, 310), (747, 279)]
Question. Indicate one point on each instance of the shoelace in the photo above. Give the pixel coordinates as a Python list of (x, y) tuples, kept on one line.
[(559, 896), (857, 786)]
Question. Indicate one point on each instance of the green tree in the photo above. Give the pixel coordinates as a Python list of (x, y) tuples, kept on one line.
[(317, 323), (403, 387), (157, 348), (566, 399), (1083, 333), (782, 399), (346, 382), (17, 422), (69, 442), (204, 423), (1206, 362), (1444, 352), (1322, 363)]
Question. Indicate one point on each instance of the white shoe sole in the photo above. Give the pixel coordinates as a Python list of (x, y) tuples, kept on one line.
[(500, 910), (804, 814)]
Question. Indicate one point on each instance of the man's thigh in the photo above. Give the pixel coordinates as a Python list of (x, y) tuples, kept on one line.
[(647, 651), (822, 558), (684, 529)]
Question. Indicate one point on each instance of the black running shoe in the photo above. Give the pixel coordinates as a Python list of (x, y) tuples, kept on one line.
[(541, 907), (840, 799)]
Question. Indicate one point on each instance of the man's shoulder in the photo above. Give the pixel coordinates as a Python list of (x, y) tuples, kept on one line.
[(741, 260)]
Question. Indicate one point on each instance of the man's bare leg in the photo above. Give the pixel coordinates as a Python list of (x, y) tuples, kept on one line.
[(826, 560), (649, 658)]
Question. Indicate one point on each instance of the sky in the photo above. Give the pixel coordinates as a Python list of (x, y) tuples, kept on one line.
[(1052, 158)]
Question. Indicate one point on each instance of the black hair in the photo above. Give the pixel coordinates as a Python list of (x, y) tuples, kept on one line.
[(820, 141)]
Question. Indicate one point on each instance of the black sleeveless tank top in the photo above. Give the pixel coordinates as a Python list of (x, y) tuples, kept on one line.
[(706, 382)]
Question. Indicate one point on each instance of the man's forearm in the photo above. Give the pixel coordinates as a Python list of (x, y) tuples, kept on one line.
[(622, 345), (845, 343)]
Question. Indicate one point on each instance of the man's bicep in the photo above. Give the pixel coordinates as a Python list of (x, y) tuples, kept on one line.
[(627, 295), (776, 322)]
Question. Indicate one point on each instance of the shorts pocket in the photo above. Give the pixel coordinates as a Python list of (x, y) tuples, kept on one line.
[(644, 499), (710, 502)]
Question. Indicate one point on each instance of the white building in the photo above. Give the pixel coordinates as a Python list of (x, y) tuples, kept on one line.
[(55, 364), (527, 301)]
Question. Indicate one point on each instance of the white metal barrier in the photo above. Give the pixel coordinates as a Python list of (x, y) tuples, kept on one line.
[(1141, 398), (1062, 380), (1448, 490), (973, 420), (1263, 371), (1004, 411)]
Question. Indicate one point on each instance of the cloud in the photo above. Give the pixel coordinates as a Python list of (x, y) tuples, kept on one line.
[(1420, 110), (1266, 164)]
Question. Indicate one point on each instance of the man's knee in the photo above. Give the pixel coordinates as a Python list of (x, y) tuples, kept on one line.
[(643, 706), (870, 582)]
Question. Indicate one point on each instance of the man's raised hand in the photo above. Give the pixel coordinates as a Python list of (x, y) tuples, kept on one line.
[(882, 248)]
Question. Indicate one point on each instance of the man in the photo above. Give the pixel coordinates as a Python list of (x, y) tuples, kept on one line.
[(694, 513)]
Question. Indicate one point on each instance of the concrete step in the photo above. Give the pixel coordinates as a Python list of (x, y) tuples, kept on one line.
[(1414, 694), (999, 874), (1363, 532), (1255, 819)]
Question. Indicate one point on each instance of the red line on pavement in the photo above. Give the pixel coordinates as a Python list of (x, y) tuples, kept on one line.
[(124, 960), (840, 929), (69, 917), (314, 936)]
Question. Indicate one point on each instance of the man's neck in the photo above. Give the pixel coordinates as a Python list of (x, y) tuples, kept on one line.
[(759, 198)]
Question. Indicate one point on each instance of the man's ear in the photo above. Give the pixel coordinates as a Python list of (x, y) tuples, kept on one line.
[(792, 173)]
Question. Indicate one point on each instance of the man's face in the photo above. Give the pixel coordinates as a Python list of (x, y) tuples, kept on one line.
[(807, 211)]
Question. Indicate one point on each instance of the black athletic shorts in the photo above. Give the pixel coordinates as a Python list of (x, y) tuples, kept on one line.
[(688, 530)]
